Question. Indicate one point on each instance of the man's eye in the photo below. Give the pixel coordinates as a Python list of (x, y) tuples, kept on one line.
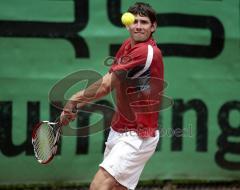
[(144, 22)]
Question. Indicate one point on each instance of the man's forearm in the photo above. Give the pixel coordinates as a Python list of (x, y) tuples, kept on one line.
[(95, 91)]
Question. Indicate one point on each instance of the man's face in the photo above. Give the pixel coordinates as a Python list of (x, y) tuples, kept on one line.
[(141, 29)]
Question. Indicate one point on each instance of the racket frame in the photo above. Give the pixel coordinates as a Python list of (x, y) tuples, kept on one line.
[(57, 132)]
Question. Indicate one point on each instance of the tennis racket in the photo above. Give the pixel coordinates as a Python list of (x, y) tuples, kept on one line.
[(45, 137)]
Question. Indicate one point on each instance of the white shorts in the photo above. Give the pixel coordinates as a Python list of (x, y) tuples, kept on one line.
[(126, 155)]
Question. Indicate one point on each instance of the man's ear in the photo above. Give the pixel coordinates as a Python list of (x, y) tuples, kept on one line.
[(154, 27)]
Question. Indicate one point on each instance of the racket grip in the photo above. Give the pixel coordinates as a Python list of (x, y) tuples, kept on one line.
[(75, 110)]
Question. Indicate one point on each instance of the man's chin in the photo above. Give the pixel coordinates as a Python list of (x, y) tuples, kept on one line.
[(138, 40)]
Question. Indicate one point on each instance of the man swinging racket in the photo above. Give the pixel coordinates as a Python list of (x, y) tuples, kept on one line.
[(137, 81)]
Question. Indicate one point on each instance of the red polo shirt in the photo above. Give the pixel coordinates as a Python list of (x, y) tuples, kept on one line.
[(139, 88)]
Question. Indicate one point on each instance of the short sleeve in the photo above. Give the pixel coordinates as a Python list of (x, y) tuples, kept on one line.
[(136, 57)]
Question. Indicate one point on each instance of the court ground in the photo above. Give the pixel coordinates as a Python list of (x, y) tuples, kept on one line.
[(164, 186)]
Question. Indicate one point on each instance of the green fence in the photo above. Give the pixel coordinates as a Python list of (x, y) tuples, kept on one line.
[(41, 42)]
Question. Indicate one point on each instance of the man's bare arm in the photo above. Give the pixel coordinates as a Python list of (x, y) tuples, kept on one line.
[(95, 91)]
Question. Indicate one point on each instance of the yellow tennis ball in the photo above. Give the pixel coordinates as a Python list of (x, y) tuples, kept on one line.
[(127, 18)]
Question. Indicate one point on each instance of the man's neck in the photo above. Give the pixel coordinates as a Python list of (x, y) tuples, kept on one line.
[(133, 43)]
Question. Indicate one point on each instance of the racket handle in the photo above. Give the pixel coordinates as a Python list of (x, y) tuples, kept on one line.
[(75, 109)]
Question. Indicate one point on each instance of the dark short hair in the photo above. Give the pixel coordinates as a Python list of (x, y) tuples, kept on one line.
[(143, 9)]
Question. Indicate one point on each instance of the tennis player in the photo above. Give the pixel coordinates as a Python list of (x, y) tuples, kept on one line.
[(136, 76)]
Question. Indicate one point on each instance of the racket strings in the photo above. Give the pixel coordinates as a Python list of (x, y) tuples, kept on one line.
[(44, 143)]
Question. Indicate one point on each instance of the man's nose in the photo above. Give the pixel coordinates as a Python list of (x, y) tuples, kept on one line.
[(138, 25)]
